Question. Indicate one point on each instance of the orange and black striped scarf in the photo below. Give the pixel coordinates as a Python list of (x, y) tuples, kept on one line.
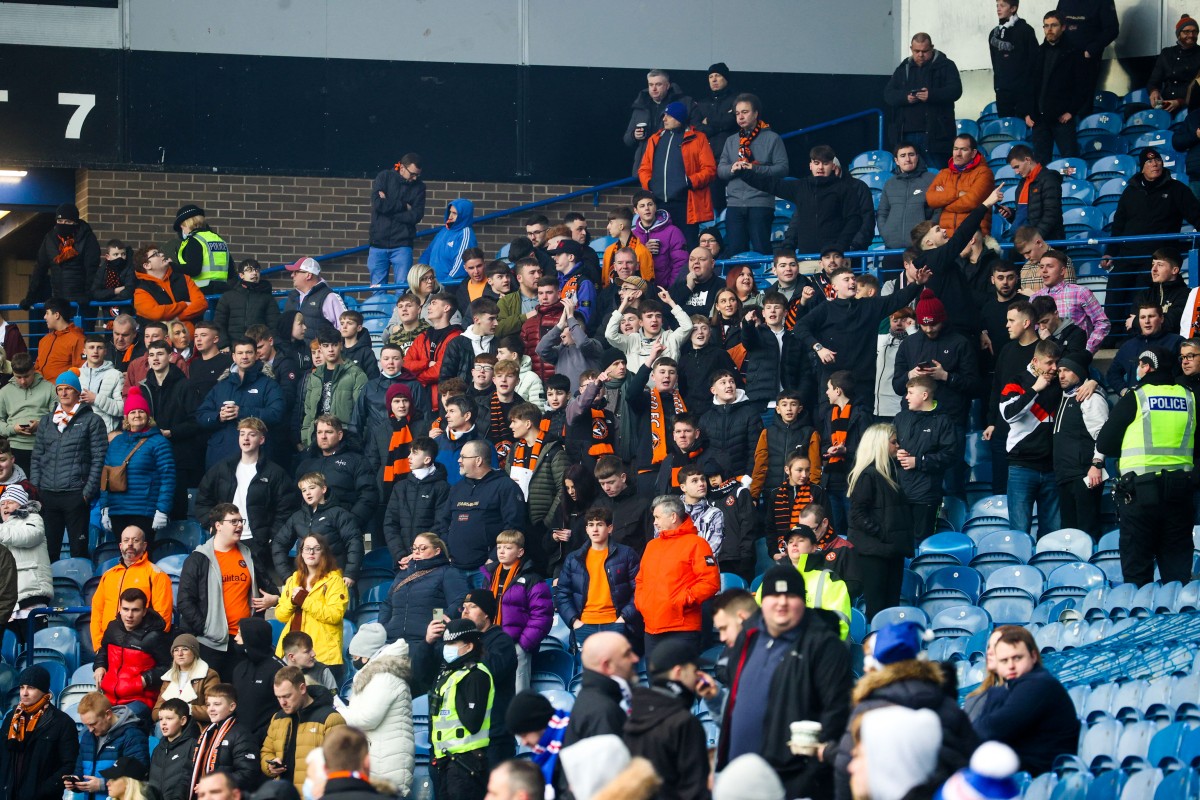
[(207, 750), (659, 435), (839, 426), (498, 429), (25, 718), (523, 455), (786, 506), (746, 138), (398, 449), (692, 456)]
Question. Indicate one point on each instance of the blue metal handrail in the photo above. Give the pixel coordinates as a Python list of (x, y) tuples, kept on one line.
[(599, 189)]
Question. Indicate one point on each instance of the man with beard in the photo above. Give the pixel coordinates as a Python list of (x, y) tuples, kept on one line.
[(133, 571), (962, 186)]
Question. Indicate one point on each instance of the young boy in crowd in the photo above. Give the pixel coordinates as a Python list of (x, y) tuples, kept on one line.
[(638, 344), (928, 449), (406, 323), (843, 429), (499, 280), (774, 360), (417, 500), (356, 343), (789, 500), (526, 610), (698, 360), (590, 427), (594, 592), (115, 279), (741, 519), (494, 424), (558, 392), (298, 652), (225, 743), (529, 385), (171, 761), (789, 431), (708, 519), (483, 373)]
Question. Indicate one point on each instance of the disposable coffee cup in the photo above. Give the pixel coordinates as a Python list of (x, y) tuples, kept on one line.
[(806, 733)]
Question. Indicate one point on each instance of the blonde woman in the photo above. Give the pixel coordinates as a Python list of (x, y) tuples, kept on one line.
[(128, 779), (189, 678), (880, 524)]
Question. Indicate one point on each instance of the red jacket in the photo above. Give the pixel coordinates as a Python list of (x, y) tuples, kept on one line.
[(135, 660), (532, 331), (418, 357), (699, 166), (677, 574)]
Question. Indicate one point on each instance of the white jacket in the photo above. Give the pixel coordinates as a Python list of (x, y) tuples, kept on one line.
[(107, 382), (636, 348), (381, 707), (530, 386), (887, 402), (24, 534)]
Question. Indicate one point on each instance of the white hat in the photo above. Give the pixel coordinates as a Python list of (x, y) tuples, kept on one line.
[(901, 746), (306, 264)]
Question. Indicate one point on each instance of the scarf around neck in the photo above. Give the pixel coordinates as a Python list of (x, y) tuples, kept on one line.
[(398, 449), (658, 423), (26, 718), (746, 138), (972, 164)]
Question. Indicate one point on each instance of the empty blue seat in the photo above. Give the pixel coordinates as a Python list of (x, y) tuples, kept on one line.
[(1160, 140), (1066, 540), (992, 507), (1001, 130), (998, 153), (380, 559), (874, 181), (1025, 577), (1094, 125), (955, 511), (961, 618), (1114, 165), (557, 662), (1188, 598), (960, 579), (1014, 543), (1100, 146), (1083, 219), (78, 570), (1106, 101), (1134, 743), (872, 161), (172, 565), (1109, 192), (1006, 174), (1180, 783), (1077, 192), (911, 586), (59, 639), (1135, 101), (186, 531), (1118, 603), (926, 564), (164, 548), (898, 614), (1080, 575), (1008, 605), (950, 543), (1147, 121), (731, 581), (858, 626), (967, 126), (988, 113), (1075, 168)]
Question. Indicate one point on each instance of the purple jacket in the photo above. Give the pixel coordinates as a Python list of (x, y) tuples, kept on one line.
[(672, 256), (526, 610)]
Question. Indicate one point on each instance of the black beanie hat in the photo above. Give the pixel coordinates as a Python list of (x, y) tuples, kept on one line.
[(528, 712), (67, 211), (36, 676), (485, 600), (720, 69)]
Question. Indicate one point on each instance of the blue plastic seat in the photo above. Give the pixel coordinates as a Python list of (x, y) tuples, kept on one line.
[(991, 507), (165, 548), (59, 639), (78, 570), (1180, 783), (998, 152), (967, 126), (950, 543), (1006, 174), (926, 564), (1148, 120), (1074, 168), (1106, 101), (1080, 575), (898, 614), (960, 618), (858, 626), (379, 559), (1109, 192), (1119, 602), (1083, 219), (1025, 577), (1100, 146), (1041, 787), (1113, 165), (1188, 598), (1001, 130), (1071, 540), (954, 511), (172, 565), (1012, 543), (1072, 786), (556, 662), (961, 579), (874, 181), (1094, 125), (911, 587), (1077, 192), (186, 531), (731, 581), (872, 161), (988, 113), (1135, 101), (1160, 140), (1008, 605)]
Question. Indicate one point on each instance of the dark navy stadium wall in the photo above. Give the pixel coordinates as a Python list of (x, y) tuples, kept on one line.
[(350, 118)]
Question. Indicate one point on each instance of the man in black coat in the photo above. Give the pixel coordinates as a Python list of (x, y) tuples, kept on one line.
[(943, 355), (253, 677), (645, 117), (733, 425), (352, 484), (1058, 82), (1089, 27), (1041, 205), (418, 501), (1167, 290), (1153, 202), (65, 260), (789, 665), (397, 206), (921, 93), (173, 408), (1012, 45), (717, 121), (1031, 712), (632, 522), (929, 448), (662, 729), (34, 759), (608, 675)]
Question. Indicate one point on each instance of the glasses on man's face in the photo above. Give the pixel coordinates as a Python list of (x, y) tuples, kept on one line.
[(1188, 356), (312, 550), (237, 523), (464, 458), (155, 254)]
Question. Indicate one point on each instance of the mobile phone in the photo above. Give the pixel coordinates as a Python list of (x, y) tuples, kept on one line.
[(642, 125), (925, 365), (438, 615), (275, 762), (72, 779)]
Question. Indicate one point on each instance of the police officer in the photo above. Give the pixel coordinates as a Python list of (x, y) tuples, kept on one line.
[(460, 708), (203, 255), (1152, 431)]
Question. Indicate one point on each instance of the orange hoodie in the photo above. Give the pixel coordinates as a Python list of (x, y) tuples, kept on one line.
[(677, 574), (59, 351)]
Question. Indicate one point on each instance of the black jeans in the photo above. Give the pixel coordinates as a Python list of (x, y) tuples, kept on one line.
[(70, 511), (1157, 526), (461, 777), (882, 577), (1049, 133), (924, 517), (1079, 507)]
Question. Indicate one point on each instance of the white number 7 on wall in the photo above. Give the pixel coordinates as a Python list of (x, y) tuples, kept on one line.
[(86, 103)]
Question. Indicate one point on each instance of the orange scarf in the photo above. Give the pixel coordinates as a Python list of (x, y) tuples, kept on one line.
[(658, 423), (789, 502), (207, 750), (398, 454), (745, 138), (26, 718), (1023, 198), (838, 431), (525, 456), (498, 590)]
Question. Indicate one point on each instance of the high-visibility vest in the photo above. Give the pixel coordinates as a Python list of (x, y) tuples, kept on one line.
[(215, 263), (447, 734), (1161, 435), (823, 590)]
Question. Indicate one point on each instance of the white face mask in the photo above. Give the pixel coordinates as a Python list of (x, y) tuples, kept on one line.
[(449, 653)]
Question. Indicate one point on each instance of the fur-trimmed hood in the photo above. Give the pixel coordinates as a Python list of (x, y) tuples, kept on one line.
[(392, 659), (638, 781), (911, 670), (27, 510)]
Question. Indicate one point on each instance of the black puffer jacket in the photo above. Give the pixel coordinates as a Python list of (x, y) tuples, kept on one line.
[(245, 304), (732, 430), (880, 522), (410, 600), (254, 676), (125, 274), (912, 684), (957, 356), (632, 524), (34, 769), (417, 505), (72, 277), (171, 763), (173, 406), (717, 121), (396, 215), (930, 437), (1045, 203), (695, 367), (1145, 207), (352, 483), (827, 211), (767, 369), (336, 524)]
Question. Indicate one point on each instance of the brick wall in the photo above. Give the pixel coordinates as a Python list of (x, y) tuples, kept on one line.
[(277, 219)]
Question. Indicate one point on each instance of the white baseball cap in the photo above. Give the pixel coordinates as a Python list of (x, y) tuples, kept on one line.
[(306, 264)]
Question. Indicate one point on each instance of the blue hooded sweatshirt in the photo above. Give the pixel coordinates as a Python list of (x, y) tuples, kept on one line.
[(444, 253)]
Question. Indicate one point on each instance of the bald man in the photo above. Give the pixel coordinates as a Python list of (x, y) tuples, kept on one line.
[(696, 289), (609, 670)]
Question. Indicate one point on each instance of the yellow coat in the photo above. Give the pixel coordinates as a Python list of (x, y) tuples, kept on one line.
[(324, 609)]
